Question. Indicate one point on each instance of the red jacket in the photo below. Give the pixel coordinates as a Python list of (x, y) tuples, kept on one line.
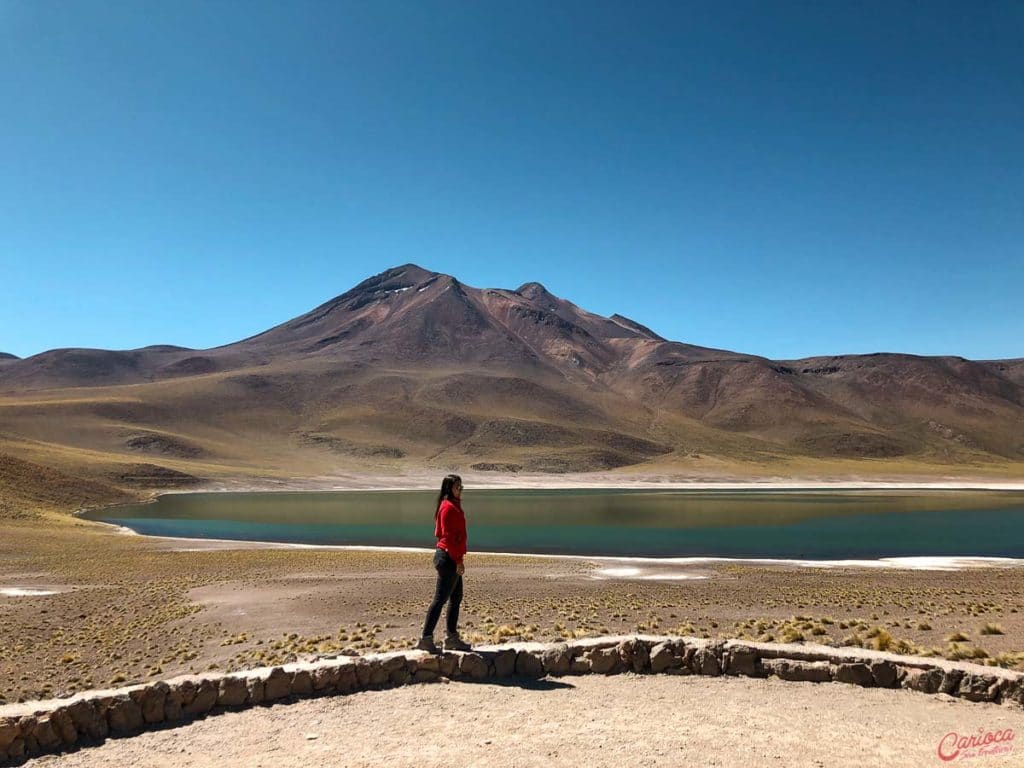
[(450, 530)]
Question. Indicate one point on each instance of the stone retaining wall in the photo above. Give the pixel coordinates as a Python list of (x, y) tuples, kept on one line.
[(36, 728)]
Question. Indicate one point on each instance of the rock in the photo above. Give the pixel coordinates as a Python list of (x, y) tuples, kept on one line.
[(64, 726), (88, 720), (505, 663), (45, 734), (362, 670), (705, 662), (528, 665), (884, 673), (255, 687), (392, 663), (152, 700), (976, 687), (580, 665), (347, 681), (923, 680), (17, 749), (604, 661), (855, 673), (378, 675), (951, 681), (27, 725), (425, 676), (186, 691), (278, 685), (232, 692), (663, 657), (204, 700), (449, 663), (400, 676), (799, 671), (9, 731), (430, 663), (1014, 692), (312, 736), (557, 660), (741, 660), (173, 709), (473, 665), (302, 683), (640, 656), (124, 716)]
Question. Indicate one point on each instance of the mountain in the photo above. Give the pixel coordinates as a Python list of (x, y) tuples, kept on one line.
[(415, 368)]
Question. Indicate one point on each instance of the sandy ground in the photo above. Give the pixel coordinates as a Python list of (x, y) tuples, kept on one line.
[(594, 721), (90, 607)]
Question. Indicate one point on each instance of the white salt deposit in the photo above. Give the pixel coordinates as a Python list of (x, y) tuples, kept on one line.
[(22, 592)]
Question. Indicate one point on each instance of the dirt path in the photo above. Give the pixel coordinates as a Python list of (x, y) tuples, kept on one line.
[(617, 721)]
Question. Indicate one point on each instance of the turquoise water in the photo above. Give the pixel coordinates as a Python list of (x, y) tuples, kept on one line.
[(653, 523)]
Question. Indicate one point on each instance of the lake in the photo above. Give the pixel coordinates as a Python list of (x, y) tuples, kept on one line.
[(800, 524)]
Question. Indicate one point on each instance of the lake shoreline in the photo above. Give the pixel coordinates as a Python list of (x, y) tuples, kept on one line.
[(944, 562)]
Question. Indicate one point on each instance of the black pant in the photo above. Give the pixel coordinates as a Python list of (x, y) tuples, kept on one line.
[(448, 590)]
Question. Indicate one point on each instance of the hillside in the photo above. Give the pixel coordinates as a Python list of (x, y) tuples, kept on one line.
[(415, 368)]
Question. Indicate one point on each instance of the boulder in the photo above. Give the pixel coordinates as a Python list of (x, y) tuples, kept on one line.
[(799, 671), (255, 687), (378, 675), (124, 716), (951, 681), (64, 726), (705, 662), (362, 670), (449, 664), (400, 676), (45, 734), (425, 676), (429, 662), (347, 680), (204, 700), (923, 680), (152, 700), (302, 683), (17, 749), (580, 665), (9, 731), (278, 685), (884, 673), (604, 661), (505, 662), (740, 660), (473, 665), (528, 665), (663, 657), (855, 673), (88, 719), (557, 660), (232, 692), (977, 687)]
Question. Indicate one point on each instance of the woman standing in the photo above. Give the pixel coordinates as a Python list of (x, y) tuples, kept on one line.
[(450, 530)]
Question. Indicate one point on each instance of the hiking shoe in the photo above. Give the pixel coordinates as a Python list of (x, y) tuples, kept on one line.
[(455, 643), (426, 643)]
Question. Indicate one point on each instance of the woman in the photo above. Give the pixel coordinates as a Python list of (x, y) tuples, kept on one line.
[(450, 530)]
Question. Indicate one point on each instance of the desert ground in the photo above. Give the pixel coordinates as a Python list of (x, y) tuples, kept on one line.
[(84, 605), (589, 720)]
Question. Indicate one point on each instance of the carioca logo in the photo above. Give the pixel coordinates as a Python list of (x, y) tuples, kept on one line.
[(953, 744)]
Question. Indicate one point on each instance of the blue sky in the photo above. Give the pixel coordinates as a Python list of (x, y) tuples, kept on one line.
[(785, 179)]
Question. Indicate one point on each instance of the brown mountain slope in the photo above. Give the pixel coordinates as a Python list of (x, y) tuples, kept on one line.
[(411, 367)]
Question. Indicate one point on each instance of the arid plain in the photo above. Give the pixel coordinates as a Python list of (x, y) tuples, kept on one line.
[(412, 374)]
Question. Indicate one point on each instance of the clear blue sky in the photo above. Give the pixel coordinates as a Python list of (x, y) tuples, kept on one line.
[(785, 179)]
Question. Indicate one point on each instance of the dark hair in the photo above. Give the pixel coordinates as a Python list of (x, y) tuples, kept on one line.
[(446, 491)]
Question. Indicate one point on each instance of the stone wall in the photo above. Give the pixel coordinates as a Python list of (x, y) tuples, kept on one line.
[(36, 728)]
